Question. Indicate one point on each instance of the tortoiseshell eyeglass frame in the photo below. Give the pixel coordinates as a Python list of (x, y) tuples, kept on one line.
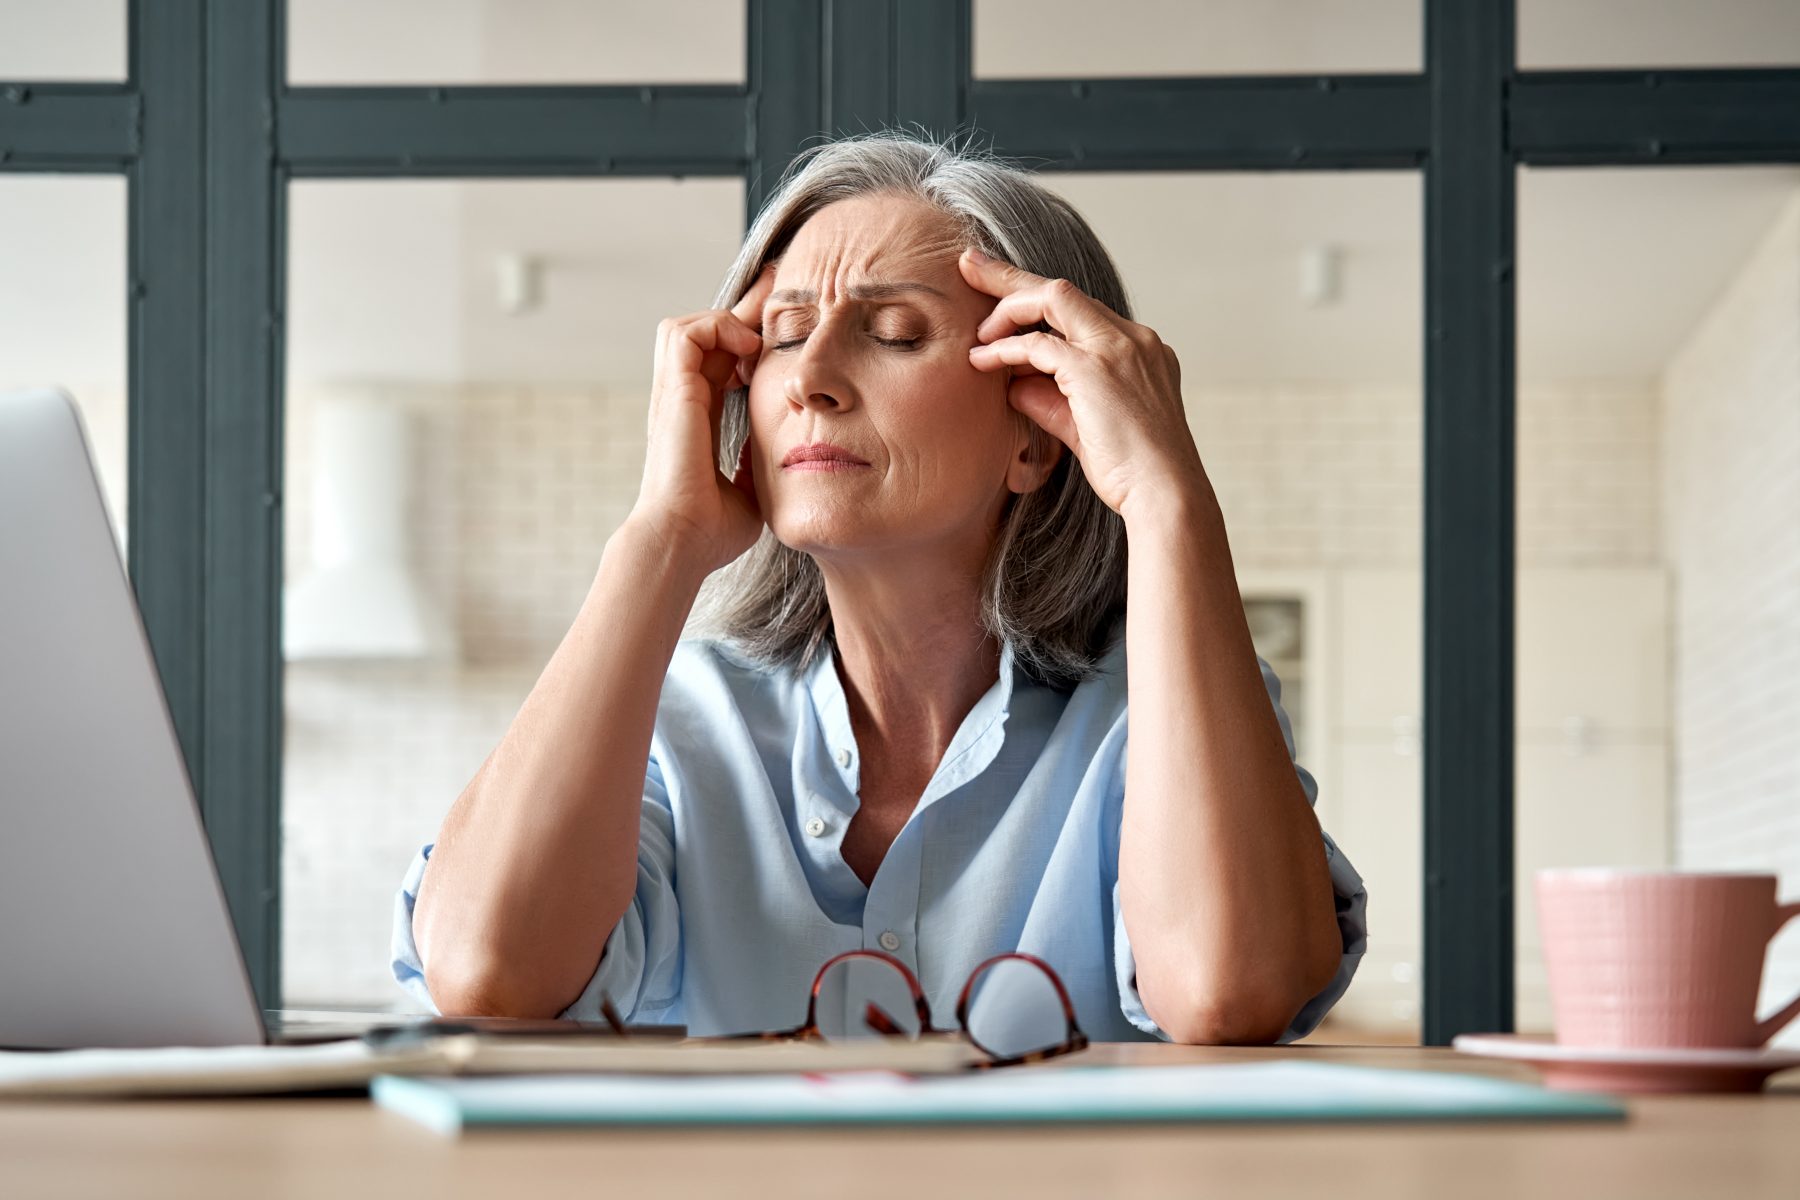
[(888, 1027)]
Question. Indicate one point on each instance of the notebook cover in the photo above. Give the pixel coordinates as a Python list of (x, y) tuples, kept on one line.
[(1280, 1091)]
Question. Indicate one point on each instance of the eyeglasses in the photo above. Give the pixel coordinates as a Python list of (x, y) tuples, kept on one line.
[(1013, 1008)]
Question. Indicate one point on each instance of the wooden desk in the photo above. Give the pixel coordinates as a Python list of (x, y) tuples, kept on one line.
[(1737, 1146)]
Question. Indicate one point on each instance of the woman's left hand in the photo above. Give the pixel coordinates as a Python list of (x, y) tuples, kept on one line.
[(1107, 388)]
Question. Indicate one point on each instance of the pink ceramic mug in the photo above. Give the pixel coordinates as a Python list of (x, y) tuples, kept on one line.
[(1659, 958)]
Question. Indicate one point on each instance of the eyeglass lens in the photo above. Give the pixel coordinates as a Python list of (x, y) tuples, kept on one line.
[(865, 998), (1014, 1010)]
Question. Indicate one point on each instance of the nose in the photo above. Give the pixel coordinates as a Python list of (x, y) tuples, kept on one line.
[(809, 389), (823, 401), (816, 377)]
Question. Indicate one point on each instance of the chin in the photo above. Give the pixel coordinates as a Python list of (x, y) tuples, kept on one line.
[(816, 532)]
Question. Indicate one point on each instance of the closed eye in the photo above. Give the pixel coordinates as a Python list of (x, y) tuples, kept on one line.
[(898, 343)]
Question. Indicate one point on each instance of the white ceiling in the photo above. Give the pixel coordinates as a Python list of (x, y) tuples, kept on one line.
[(1616, 267)]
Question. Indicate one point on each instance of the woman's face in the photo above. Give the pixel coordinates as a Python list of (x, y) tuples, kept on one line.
[(866, 350)]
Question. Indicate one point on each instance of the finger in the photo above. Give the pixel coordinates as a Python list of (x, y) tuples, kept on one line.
[(1026, 299), (709, 344), (1039, 394), (1058, 304), (690, 341), (1044, 403), (1045, 352), (719, 369), (749, 307), (706, 344)]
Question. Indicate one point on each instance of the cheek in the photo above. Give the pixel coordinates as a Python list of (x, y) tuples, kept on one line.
[(763, 407), (952, 427)]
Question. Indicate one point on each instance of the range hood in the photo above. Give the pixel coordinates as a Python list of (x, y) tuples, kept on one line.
[(361, 597)]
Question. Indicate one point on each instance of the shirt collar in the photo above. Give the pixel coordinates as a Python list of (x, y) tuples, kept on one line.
[(971, 749)]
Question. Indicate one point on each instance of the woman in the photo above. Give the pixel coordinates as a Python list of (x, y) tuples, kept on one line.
[(906, 731)]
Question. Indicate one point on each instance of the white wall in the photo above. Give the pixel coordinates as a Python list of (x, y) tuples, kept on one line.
[(1731, 489)]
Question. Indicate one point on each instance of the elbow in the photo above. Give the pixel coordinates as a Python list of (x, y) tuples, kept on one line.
[(1245, 1014), (458, 993), (484, 994), (460, 983), (472, 972), (514, 983), (1233, 1023)]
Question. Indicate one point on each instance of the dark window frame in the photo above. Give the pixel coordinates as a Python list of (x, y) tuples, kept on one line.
[(208, 135)]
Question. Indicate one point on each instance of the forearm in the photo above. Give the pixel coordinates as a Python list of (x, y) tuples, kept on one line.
[(1224, 886), (537, 860)]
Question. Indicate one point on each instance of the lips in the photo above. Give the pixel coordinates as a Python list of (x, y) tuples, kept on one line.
[(819, 455)]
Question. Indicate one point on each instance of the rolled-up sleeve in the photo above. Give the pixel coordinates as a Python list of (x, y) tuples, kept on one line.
[(640, 965), (1351, 897), (408, 967)]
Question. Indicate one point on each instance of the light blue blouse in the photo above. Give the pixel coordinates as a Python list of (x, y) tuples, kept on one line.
[(742, 892)]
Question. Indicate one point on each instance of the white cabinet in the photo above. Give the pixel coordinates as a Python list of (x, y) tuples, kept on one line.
[(1593, 648), (1378, 817), (1378, 634), (1378, 827), (1591, 644)]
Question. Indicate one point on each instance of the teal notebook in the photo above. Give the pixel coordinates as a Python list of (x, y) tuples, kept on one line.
[(1279, 1091)]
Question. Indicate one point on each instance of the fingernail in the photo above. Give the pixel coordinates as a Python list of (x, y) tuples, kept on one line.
[(976, 255)]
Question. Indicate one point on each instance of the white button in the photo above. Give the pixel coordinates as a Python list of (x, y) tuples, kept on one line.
[(815, 827), (890, 940), (843, 757)]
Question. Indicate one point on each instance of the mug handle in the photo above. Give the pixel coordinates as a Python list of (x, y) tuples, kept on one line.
[(1774, 1025)]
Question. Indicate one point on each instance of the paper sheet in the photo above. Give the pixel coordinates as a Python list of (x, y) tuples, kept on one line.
[(297, 1068), (202, 1069)]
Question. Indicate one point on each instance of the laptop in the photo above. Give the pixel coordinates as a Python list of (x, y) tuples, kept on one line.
[(114, 929)]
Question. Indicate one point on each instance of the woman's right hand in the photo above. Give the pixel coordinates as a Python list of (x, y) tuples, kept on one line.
[(685, 500)]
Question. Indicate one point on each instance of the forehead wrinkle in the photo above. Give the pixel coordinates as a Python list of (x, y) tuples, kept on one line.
[(873, 291), (932, 244)]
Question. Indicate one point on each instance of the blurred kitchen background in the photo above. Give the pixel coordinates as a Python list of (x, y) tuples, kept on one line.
[(468, 368)]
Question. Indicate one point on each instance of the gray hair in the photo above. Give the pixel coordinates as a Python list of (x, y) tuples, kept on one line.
[(1055, 581)]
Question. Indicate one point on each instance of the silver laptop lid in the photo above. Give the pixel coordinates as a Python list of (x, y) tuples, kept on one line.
[(114, 929)]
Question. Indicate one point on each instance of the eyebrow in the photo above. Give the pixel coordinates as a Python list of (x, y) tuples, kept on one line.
[(857, 291)]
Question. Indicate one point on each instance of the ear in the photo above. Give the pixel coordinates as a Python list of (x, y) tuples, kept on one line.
[(1035, 455)]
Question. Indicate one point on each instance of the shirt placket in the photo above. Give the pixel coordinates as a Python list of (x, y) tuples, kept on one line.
[(890, 918)]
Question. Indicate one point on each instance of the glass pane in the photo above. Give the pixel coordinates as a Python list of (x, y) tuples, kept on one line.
[(454, 468), (1658, 671), (63, 307), (1658, 33), (1293, 302), (67, 40), (518, 41), (1051, 38)]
